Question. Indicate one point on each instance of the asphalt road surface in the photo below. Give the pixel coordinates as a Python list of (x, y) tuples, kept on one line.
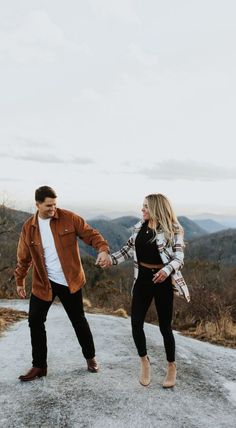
[(70, 396)]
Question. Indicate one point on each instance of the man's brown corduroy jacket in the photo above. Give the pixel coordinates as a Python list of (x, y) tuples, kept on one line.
[(66, 227)]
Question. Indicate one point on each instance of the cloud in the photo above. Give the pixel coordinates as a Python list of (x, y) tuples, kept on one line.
[(141, 56), (188, 170), (81, 161), (31, 142), (91, 94), (10, 179), (123, 10), (47, 158), (37, 39)]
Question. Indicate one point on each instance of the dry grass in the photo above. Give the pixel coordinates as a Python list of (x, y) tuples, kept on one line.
[(10, 316), (92, 309), (120, 313), (221, 332), (88, 307), (107, 311), (87, 304)]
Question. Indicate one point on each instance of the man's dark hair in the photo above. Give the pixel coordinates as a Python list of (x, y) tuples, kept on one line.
[(44, 192)]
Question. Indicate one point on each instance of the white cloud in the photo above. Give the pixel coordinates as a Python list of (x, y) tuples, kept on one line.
[(32, 142), (10, 179), (36, 39), (119, 10), (47, 158), (188, 170), (142, 56)]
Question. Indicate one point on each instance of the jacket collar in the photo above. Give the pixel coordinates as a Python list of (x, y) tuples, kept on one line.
[(34, 221)]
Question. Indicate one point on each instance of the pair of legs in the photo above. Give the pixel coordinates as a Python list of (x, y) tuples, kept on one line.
[(144, 292), (73, 305)]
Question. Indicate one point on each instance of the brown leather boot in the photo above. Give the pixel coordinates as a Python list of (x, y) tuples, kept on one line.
[(92, 364), (33, 373), (145, 371), (170, 378)]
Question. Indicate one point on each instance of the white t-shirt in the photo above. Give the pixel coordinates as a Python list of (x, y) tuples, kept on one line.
[(53, 264)]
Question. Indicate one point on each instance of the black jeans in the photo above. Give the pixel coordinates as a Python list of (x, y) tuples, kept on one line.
[(144, 291), (73, 304)]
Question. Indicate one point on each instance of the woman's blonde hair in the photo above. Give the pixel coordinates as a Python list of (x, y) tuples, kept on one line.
[(162, 216)]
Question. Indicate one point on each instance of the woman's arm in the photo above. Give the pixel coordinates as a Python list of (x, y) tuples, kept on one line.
[(125, 253), (177, 260)]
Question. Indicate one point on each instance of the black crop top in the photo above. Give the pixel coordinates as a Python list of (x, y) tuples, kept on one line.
[(146, 250)]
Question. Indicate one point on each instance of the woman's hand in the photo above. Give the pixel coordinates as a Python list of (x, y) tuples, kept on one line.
[(104, 260), (160, 276)]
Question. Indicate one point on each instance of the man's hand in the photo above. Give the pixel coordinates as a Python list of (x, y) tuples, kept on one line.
[(103, 260), (160, 276), (21, 292)]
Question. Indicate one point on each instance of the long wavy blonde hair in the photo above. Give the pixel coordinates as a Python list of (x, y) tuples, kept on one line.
[(162, 216)]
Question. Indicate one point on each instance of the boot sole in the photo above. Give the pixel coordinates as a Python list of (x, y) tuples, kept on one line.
[(33, 378), (143, 384), (93, 370), (25, 379), (169, 386)]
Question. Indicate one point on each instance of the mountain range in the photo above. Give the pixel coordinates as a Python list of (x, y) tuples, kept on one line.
[(201, 242), (210, 225), (227, 221), (215, 247)]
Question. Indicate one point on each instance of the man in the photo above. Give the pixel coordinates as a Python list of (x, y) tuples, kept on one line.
[(48, 242)]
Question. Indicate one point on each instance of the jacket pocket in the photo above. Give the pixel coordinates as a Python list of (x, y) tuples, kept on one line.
[(67, 237)]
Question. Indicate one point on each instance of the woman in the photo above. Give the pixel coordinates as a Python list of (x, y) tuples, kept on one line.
[(157, 248)]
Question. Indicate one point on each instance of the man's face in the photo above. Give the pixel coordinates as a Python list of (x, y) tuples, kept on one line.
[(47, 209)]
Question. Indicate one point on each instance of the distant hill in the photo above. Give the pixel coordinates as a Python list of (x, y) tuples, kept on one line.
[(191, 229), (16, 216), (118, 230), (99, 217), (116, 234), (115, 231), (11, 219), (210, 225), (219, 246), (227, 220), (126, 221)]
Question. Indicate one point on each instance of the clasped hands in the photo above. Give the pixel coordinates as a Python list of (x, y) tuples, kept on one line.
[(104, 260)]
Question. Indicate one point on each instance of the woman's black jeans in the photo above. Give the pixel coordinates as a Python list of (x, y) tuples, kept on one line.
[(73, 304), (143, 293)]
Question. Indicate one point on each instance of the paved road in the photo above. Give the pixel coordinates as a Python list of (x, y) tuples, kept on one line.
[(205, 395)]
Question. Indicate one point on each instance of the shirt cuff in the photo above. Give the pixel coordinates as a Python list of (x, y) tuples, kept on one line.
[(104, 249), (114, 261), (20, 282), (167, 269)]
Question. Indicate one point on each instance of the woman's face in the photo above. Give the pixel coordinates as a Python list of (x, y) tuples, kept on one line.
[(145, 211)]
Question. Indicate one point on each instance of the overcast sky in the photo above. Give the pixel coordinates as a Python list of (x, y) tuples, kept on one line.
[(110, 100)]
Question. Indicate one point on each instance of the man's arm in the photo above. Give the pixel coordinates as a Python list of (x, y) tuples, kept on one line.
[(24, 262), (89, 235)]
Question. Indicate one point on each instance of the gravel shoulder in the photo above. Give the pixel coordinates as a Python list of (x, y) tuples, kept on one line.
[(205, 394)]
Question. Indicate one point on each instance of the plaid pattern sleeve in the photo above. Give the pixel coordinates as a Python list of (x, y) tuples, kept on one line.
[(177, 258), (125, 253)]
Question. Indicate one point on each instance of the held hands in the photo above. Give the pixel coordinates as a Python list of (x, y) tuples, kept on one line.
[(21, 292), (160, 276), (103, 260)]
